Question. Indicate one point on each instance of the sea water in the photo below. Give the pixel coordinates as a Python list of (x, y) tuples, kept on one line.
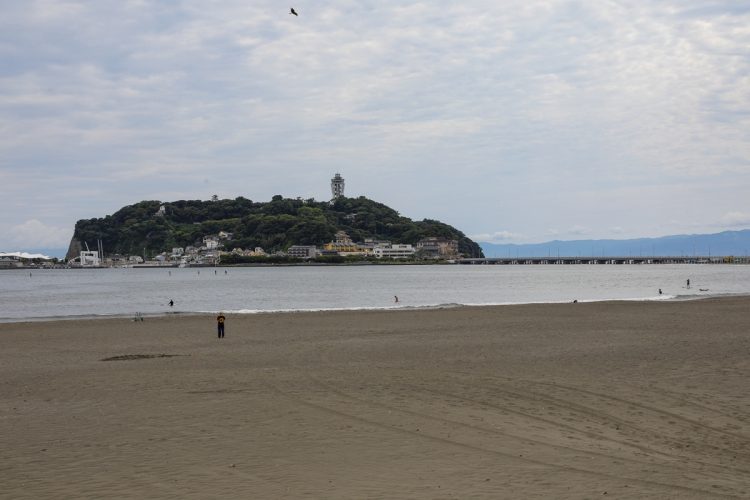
[(68, 293)]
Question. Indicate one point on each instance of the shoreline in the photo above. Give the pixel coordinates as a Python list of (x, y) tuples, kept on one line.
[(362, 263), (229, 266), (242, 312)]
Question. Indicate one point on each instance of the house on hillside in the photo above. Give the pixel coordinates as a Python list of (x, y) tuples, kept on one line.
[(302, 251), (211, 242), (437, 248), (343, 245)]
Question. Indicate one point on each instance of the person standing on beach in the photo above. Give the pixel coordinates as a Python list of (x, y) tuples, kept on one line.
[(220, 324)]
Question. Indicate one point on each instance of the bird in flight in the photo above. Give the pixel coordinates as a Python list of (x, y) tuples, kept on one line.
[(292, 11)]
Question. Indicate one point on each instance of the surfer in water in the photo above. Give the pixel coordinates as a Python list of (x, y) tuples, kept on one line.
[(395, 298)]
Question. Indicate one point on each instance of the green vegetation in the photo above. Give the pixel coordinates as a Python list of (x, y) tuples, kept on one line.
[(274, 225)]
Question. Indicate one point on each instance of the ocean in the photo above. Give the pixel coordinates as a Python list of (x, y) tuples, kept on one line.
[(76, 293)]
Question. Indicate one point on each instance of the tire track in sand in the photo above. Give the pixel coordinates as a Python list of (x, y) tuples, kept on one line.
[(399, 428), (605, 418)]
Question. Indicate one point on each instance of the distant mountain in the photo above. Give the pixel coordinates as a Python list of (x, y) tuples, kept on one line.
[(152, 227), (724, 243)]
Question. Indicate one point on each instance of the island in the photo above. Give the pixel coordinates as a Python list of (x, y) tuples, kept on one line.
[(282, 230)]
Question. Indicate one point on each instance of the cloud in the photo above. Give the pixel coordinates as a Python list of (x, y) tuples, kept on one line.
[(573, 232), (497, 237), (538, 101), (735, 219), (579, 230), (35, 234)]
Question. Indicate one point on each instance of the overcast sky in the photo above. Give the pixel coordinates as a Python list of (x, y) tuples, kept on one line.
[(515, 121)]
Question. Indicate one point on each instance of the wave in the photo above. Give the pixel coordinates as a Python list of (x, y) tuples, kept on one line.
[(450, 305), (333, 309), (400, 307)]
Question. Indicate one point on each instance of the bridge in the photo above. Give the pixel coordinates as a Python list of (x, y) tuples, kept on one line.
[(506, 261)]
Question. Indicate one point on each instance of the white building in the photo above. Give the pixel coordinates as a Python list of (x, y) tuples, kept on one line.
[(393, 251), (10, 261), (211, 242), (89, 258), (302, 251)]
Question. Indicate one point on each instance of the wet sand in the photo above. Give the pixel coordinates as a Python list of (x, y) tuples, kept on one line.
[(613, 400)]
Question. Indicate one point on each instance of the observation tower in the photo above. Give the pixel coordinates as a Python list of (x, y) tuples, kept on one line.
[(337, 186)]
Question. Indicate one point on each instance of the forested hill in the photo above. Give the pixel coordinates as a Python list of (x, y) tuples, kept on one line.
[(273, 225)]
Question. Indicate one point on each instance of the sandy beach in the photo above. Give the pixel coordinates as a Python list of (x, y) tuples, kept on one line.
[(588, 400)]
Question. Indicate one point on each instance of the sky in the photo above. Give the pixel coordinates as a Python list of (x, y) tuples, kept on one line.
[(514, 121)]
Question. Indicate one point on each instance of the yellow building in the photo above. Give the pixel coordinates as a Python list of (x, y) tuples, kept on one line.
[(343, 245)]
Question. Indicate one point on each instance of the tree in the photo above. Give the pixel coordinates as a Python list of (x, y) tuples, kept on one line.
[(273, 225)]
